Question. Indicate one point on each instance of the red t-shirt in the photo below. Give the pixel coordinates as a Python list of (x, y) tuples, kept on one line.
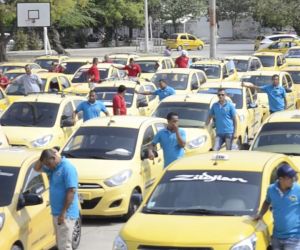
[(119, 103), (4, 82), (94, 73), (182, 62), (133, 70)]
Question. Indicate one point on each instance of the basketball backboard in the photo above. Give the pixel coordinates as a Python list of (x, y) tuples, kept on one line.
[(33, 14)]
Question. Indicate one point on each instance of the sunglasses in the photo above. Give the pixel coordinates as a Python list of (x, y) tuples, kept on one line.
[(221, 94)]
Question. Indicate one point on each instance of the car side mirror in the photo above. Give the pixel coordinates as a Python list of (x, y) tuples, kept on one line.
[(145, 154), (142, 104), (194, 86), (29, 200), (288, 90), (225, 75)]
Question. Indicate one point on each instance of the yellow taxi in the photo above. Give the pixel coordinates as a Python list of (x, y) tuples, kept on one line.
[(122, 58), (206, 201), (25, 217), (271, 60), (217, 70), (51, 82), (294, 72), (151, 64), (136, 104), (4, 67), (261, 78), (184, 81), (46, 61), (14, 73), (292, 57), (244, 64), (40, 120), (249, 112), (280, 134), (3, 139), (111, 157), (193, 110), (281, 46), (186, 41), (71, 65), (4, 102)]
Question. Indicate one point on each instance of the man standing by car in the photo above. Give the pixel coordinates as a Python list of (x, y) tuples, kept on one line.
[(224, 114), (119, 103), (63, 195), (172, 140), (183, 60), (90, 108), (32, 82), (163, 91), (93, 72), (284, 198), (276, 94), (133, 70)]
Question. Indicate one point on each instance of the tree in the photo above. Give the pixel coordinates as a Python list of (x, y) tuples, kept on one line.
[(233, 10), (175, 9)]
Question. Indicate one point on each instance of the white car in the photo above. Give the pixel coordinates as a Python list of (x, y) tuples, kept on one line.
[(270, 39)]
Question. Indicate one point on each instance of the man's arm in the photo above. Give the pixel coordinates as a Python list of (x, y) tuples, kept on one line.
[(68, 201), (263, 210), (285, 103), (145, 93), (74, 116), (180, 138), (250, 85), (208, 120)]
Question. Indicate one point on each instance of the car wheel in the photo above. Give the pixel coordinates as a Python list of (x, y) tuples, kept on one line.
[(133, 205), (16, 247), (179, 48), (200, 47), (76, 234)]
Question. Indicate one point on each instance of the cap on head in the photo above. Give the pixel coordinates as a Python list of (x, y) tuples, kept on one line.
[(184, 53), (286, 171)]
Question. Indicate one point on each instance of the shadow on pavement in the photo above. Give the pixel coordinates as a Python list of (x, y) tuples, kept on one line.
[(91, 222)]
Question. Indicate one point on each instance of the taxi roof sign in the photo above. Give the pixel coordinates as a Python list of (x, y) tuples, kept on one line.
[(220, 157)]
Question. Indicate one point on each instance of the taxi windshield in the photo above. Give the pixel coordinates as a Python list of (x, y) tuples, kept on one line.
[(212, 71), (30, 114), (72, 67), (174, 80), (46, 63), (12, 76), (267, 61), (8, 179), (280, 137), (5, 68), (192, 115), (295, 76), (116, 60), (106, 95), (205, 192), (19, 88), (258, 80), (236, 95), (82, 75), (241, 65), (293, 53), (109, 143), (148, 66)]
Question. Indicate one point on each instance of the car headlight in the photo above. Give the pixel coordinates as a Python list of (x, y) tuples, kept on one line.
[(119, 244), (247, 244), (242, 118), (2, 219), (119, 178), (41, 142), (198, 142)]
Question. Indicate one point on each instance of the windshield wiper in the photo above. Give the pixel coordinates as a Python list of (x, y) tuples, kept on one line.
[(294, 154), (201, 211), (96, 157), (153, 211), (69, 155)]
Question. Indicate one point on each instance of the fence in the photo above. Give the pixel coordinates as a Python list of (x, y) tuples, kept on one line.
[(154, 45)]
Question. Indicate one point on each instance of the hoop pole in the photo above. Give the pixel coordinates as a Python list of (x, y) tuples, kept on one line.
[(46, 40)]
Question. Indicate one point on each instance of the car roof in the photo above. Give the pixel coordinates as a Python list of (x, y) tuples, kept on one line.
[(179, 70), (117, 83), (291, 68), (225, 85), (49, 74), (100, 66), (199, 98), (51, 57), (264, 73), (240, 57), (285, 116), (78, 59), (280, 35), (294, 47), (269, 53), (209, 61), (237, 161), (14, 156), (48, 97), (21, 64), (121, 121), (150, 58)]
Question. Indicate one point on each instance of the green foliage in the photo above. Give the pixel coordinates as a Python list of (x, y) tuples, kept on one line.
[(34, 42), (20, 40)]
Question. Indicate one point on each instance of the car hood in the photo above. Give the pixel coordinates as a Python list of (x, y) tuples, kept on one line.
[(193, 133), (147, 76), (23, 136), (142, 228), (296, 160), (96, 169), (293, 61)]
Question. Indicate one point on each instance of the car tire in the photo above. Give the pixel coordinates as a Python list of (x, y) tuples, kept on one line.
[(76, 237), (133, 206), (16, 247), (200, 47), (179, 48)]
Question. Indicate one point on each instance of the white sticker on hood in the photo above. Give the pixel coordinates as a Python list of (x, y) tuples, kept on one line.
[(206, 178)]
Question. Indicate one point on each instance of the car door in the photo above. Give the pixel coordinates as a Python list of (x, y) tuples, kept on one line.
[(194, 86), (192, 42), (142, 103), (291, 91), (38, 217), (184, 41), (67, 114), (288, 94), (65, 83), (152, 99)]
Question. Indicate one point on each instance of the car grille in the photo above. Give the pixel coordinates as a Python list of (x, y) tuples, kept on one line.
[(89, 186), (172, 248), (90, 204)]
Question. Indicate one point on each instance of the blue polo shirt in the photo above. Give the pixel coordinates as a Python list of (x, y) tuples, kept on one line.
[(276, 96), (286, 211), (91, 110), (63, 177), (163, 93), (223, 115), (168, 141)]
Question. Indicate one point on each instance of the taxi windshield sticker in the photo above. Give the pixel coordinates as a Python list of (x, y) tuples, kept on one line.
[(6, 174), (206, 178)]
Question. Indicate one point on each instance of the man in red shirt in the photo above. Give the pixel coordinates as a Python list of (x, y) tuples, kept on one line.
[(133, 70), (93, 72), (182, 61), (3, 81), (119, 104)]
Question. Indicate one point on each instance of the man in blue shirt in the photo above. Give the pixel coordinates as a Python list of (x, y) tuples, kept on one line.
[(63, 194), (91, 108), (276, 94), (284, 197), (163, 91), (172, 140), (224, 114)]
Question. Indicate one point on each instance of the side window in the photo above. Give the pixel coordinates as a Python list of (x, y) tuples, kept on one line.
[(1, 95), (160, 126), (201, 77), (76, 103), (192, 38), (183, 37), (141, 98), (257, 64), (225, 73), (248, 97), (254, 94), (164, 65), (279, 60), (148, 137), (289, 81), (284, 82), (151, 89), (194, 82), (68, 110), (64, 82), (34, 182), (53, 85)]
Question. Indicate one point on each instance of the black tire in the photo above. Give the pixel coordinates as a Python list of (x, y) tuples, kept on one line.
[(133, 206), (179, 48), (76, 234), (16, 247)]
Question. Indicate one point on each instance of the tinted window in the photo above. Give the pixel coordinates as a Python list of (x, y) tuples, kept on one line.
[(176, 81), (82, 75), (267, 61), (106, 94), (173, 36), (12, 76), (148, 66), (46, 63), (34, 183), (293, 53), (7, 68), (30, 114), (183, 37), (72, 67), (206, 192), (211, 71), (259, 80), (295, 76), (148, 136), (119, 60), (8, 179), (241, 65), (191, 38), (112, 143), (64, 82), (191, 114)]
